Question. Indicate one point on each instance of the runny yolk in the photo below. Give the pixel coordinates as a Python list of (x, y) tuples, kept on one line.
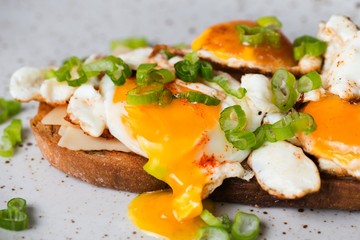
[(172, 137), (224, 42), (337, 134)]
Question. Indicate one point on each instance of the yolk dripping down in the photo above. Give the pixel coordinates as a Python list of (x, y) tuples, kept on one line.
[(224, 42), (172, 137), (338, 133)]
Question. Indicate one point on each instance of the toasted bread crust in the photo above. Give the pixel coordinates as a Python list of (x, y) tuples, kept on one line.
[(124, 171), (110, 169)]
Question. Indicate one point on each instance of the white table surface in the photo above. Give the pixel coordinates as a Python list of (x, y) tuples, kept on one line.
[(39, 33)]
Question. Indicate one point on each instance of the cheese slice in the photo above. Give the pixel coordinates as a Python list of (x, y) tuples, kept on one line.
[(73, 138), (56, 117)]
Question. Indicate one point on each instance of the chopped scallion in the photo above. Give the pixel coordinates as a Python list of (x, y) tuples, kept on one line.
[(269, 22), (197, 97), (307, 45), (283, 88), (14, 217), (131, 43), (309, 81)]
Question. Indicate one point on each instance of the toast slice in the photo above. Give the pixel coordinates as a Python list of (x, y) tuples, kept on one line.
[(110, 169), (124, 171)]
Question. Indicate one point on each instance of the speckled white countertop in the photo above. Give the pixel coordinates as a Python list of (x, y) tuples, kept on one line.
[(43, 32)]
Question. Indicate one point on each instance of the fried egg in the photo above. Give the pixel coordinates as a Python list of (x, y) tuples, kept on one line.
[(336, 137), (221, 43), (335, 142)]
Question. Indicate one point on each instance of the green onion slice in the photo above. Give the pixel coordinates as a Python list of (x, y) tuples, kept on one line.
[(212, 233), (285, 94), (145, 95), (307, 45), (71, 72), (291, 124), (142, 73), (206, 70), (8, 108), (197, 97), (241, 139), (131, 43), (14, 217), (256, 36), (210, 219), (165, 98), (17, 203), (11, 136), (223, 82), (262, 135), (232, 118), (192, 57), (162, 75), (187, 71), (309, 81), (269, 22), (116, 69), (245, 227), (146, 74)]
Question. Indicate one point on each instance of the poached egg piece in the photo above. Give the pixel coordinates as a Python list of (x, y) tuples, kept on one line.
[(28, 83), (341, 72), (86, 108), (186, 149), (284, 170)]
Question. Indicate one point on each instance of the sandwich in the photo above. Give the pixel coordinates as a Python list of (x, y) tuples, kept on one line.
[(243, 116)]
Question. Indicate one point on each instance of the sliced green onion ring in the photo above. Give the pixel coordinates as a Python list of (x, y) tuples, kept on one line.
[(283, 88), (8, 108), (212, 233), (162, 75), (187, 71), (232, 118), (210, 219), (142, 73), (11, 136), (197, 97), (14, 217), (206, 70), (165, 97), (116, 69), (262, 135), (245, 227), (252, 36), (269, 22), (256, 36), (192, 57), (308, 45), (131, 43), (223, 82), (241, 139), (145, 95), (17, 203), (71, 72), (309, 81)]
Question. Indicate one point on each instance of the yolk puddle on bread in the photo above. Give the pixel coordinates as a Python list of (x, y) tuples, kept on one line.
[(173, 137), (224, 42), (338, 133)]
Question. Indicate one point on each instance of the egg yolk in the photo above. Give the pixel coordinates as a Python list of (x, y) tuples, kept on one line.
[(224, 42), (337, 134), (173, 138)]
